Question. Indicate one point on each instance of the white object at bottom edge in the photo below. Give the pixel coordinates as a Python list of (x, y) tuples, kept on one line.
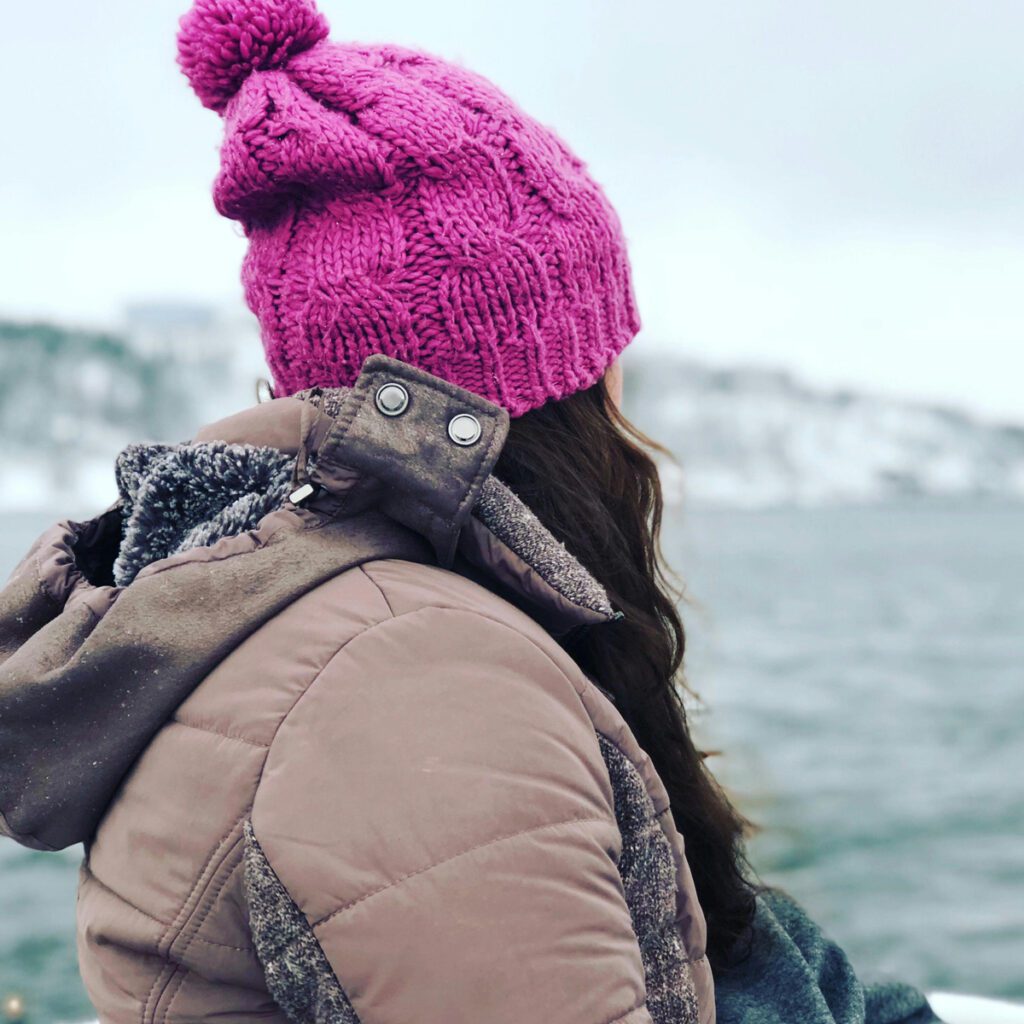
[(952, 1008), (958, 1009)]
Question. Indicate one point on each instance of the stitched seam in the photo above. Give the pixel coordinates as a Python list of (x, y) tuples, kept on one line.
[(456, 856), (221, 945), (198, 914), (156, 920), (350, 407), (178, 978), (210, 896), (312, 682), (580, 691), (404, 615), (217, 732), (363, 632), (160, 980), (208, 902), (166, 976), (628, 1013), (387, 603), (186, 911), (182, 916)]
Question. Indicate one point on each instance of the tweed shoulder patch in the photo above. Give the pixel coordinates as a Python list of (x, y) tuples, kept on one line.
[(648, 873), (512, 521), (297, 972)]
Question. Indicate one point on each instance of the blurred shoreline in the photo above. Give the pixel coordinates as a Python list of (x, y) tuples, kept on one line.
[(742, 437)]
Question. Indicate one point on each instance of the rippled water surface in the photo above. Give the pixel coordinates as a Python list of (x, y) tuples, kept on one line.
[(865, 674)]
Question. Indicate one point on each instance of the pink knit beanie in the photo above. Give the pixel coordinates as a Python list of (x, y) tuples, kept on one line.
[(396, 203)]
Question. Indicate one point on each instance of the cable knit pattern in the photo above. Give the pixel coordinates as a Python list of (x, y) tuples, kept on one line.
[(396, 203)]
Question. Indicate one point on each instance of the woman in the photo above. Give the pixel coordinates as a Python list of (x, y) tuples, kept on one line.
[(364, 701)]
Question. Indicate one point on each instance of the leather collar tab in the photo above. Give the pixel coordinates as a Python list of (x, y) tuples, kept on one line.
[(427, 469)]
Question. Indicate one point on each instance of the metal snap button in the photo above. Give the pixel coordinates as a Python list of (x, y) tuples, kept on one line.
[(465, 429), (392, 399)]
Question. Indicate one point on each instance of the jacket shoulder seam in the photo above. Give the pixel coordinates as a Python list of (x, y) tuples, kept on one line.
[(578, 690), (401, 616), (380, 589), (369, 627), (217, 732)]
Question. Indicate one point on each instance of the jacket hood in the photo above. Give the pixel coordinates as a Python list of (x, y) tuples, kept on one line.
[(265, 505), (235, 471)]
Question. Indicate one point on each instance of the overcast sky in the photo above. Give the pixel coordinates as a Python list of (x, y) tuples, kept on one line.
[(834, 187)]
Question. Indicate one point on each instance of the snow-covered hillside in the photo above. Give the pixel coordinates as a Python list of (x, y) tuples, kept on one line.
[(751, 437), (71, 399)]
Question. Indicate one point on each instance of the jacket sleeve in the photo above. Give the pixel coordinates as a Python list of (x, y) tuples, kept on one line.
[(48, 608), (437, 808)]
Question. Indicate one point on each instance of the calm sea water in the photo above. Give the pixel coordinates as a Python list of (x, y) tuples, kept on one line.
[(863, 670)]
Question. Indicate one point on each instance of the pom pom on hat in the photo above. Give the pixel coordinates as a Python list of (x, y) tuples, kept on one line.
[(221, 42)]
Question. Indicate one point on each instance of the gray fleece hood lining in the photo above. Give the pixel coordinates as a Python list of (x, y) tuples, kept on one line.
[(175, 498)]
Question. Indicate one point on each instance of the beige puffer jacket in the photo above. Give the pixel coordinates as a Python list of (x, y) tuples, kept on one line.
[(339, 767)]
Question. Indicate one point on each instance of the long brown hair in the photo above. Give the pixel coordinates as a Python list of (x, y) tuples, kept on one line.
[(587, 473)]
